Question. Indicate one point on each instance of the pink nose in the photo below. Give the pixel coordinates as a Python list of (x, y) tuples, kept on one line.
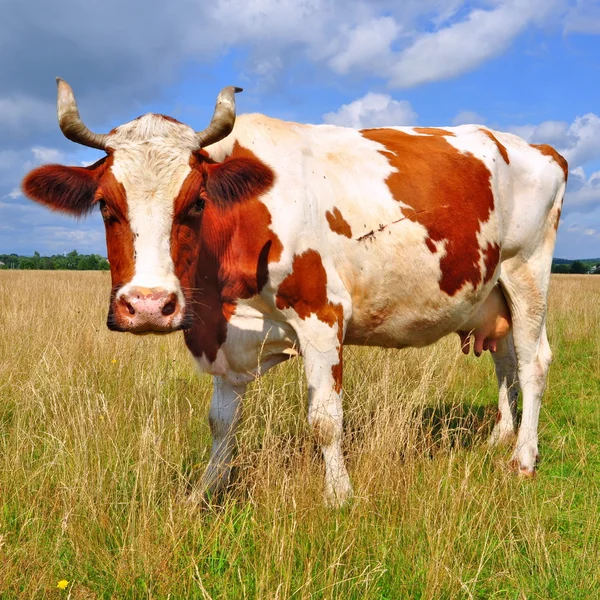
[(147, 309)]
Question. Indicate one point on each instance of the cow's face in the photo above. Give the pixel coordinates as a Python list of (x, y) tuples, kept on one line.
[(151, 189)]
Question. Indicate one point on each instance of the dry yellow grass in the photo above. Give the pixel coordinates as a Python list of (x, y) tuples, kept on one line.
[(102, 433)]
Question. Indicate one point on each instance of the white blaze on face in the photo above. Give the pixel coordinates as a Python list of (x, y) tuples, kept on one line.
[(151, 160)]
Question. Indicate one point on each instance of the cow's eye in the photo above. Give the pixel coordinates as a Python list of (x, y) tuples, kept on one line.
[(197, 207), (106, 213)]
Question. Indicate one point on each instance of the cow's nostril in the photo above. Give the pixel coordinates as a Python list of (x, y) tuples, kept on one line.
[(169, 308), (130, 308)]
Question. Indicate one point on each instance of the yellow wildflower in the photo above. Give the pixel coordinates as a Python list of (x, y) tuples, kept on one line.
[(62, 584), (114, 361)]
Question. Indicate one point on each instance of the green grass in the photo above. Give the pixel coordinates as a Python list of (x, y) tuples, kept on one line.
[(102, 434)]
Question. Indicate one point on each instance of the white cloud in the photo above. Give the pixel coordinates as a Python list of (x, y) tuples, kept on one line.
[(466, 117), (365, 46), (582, 140), (47, 155), (555, 133), (373, 110), (462, 46), (63, 237), (583, 191), (586, 231)]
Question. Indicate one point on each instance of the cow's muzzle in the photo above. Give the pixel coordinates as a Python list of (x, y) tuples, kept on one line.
[(146, 310)]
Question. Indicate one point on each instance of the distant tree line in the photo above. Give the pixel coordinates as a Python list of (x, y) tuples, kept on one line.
[(73, 261), (575, 267)]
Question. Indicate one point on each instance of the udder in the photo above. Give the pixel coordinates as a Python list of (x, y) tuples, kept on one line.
[(488, 324)]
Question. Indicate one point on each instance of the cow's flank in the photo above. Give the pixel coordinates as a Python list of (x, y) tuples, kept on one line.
[(450, 195)]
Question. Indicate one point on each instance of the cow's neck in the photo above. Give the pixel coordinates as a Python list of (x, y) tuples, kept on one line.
[(236, 248)]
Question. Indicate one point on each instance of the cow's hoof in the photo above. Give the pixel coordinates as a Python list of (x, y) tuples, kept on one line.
[(522, 470), (526, 473)]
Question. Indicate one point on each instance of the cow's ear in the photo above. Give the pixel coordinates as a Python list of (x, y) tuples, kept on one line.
[(66, 189), (236, 180)]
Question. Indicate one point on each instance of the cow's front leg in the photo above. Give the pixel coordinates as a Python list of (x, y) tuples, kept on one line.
[(224, 417), (325, 415)]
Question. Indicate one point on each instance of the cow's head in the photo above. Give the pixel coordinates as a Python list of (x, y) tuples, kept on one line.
[(151, 189)]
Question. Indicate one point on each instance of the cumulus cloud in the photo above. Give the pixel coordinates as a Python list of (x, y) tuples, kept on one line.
[(579, 233), (373, 110), (583, 191), (47, 155), (579, 141), (583, 140), (367, 46), (464, 45)]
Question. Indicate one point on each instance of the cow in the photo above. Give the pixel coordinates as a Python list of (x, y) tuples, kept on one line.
[(262, 239)]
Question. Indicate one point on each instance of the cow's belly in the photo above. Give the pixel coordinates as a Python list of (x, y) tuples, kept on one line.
[(402, 304), (401, 325)]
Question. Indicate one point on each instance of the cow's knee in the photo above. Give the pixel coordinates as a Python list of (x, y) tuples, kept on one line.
[(324, 429)]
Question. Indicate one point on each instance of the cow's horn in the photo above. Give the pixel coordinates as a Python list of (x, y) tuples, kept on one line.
[(70, 122), (223, 118)]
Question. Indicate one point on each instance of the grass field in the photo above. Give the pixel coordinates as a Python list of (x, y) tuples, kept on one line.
[(102, 433)]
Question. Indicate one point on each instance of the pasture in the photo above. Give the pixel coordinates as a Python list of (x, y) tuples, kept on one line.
[(101, 435)]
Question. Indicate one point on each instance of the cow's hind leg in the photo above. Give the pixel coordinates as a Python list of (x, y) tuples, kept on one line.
[(526, 289), (224, 417), (505, 362)]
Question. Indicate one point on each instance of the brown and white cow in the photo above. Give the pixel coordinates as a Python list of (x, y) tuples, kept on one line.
[(268, 237)]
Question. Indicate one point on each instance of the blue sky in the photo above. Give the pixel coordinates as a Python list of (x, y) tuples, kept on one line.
[(527, 66)]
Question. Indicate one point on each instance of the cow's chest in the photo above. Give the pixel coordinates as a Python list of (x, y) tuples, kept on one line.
[(254, 343)]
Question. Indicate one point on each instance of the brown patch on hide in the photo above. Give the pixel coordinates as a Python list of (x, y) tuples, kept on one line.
[(305, 289), (491, 258), (337, 223), (436, 131), (449, 193)]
